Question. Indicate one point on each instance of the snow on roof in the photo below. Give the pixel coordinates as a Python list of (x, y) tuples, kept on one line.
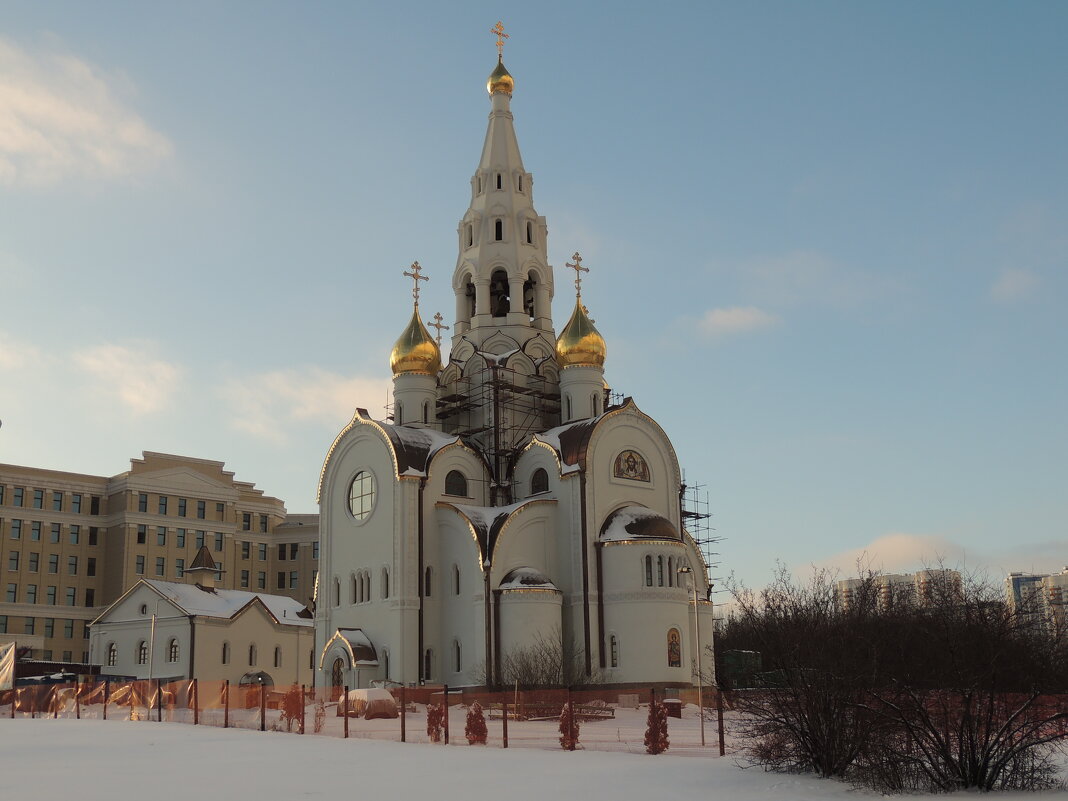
[(489, 520), (226, 603), (525, 578), (363, 651), (637, 522), (415, 447), (568, 441)]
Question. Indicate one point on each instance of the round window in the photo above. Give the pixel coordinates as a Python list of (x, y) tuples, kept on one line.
[(362, 495)]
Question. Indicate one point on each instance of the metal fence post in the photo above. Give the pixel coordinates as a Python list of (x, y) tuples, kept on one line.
[(719, 718), (504, 717), (159, 702), (345, 709), (196, 703), (570, 722), (77, 703), (263, 708), (226, 705), (404, 715), (303, 698), (107, 696), (445, 702)]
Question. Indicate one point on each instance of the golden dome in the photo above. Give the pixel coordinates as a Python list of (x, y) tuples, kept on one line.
[(580, 344), (500, 80), (415, 351)]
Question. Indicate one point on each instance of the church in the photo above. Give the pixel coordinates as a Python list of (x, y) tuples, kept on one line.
[(510, 503)]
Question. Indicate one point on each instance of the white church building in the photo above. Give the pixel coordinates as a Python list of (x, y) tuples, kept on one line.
[(508, 501)]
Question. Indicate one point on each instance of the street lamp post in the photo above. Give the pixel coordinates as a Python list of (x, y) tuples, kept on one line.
[(697, 643)]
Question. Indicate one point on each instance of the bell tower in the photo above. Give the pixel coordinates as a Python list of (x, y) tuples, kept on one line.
[(502, 280)]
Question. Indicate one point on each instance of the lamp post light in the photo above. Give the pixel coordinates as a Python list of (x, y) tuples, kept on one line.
[(697, 643)]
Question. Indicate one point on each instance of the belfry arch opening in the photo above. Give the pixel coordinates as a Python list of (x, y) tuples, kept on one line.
[(530, 294), (500, 303)]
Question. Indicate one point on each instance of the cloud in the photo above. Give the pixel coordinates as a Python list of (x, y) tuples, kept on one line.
[(736, 320), (131, 375), (897, 553), (268, 404), (60, 118), (15, 354), (1013, 285)]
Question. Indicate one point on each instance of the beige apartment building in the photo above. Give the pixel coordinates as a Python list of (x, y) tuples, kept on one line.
[(71, 544)]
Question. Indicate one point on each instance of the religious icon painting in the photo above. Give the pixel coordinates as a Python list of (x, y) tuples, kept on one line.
[(631, 465), (674, 648)]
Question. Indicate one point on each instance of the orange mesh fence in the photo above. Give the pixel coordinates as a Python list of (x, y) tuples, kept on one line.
[(606, 720)]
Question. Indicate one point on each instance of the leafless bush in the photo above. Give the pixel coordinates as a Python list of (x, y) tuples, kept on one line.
[(941, 692)]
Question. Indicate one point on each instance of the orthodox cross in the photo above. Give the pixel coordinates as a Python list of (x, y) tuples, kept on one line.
[(437, 324), (579, 270), (498, 29), (416, 278)]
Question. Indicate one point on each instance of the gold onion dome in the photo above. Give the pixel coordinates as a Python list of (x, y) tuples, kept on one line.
[(580, 344), (415, 351), (500, 80)]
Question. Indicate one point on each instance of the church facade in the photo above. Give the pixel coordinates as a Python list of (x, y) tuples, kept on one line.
[(508, 504)]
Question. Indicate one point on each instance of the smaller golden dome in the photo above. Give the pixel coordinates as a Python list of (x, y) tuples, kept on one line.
[(500, 80), (415, 351), (580, 344)]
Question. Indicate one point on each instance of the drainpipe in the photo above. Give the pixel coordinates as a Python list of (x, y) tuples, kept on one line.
[(419, 582), (585, 578), (192, 647)]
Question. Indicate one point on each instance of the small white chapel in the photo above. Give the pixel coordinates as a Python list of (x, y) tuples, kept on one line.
[(510, 500)]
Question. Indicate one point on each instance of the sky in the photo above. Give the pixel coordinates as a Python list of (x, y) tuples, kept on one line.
[(828, 244)]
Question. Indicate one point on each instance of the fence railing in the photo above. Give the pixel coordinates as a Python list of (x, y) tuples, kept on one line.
[(604, 720)]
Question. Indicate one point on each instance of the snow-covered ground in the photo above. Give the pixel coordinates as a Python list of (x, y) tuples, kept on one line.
[(92, 759)]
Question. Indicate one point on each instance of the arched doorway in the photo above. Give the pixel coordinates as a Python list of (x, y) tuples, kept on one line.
[(337, 678)]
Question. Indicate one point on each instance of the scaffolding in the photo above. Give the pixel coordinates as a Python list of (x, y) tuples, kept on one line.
[(499, 408), (697, 518)]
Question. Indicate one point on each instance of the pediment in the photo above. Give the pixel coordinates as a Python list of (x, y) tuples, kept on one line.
[(181, 480)]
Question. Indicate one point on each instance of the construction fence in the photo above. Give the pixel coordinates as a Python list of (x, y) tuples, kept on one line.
[(601, 720)]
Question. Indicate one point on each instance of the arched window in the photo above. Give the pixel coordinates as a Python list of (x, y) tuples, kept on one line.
[(337, 593), (568, 407), (428, 659), (500, 181), (385, 663), (226, 653), (398, 413), (520, 183), (172, 650), (660, 571), (142, 653), (674, 648), (479, 184), (367, 585), (500, 302), (530, 296), (427, 582), (385, 582), (530, 232), (469, 293), (355, 593), (456, 655), (456, 579), (498, 229), (456, 484), (613, 650), (277, 656), (470, 234), (113, 654), (426, 412), (648, 571), (539, 482), (671, 572), (594, 400), (252, 655)]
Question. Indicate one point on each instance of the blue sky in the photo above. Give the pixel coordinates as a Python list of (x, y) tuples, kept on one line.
[(828, 241)]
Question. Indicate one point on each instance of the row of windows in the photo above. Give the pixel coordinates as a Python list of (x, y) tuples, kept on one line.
[(360, 587), (498, 232), (499, 182), (36, 499), (181, 534), (30, 627), (31, 596), (456, 483), (33, 562), (33, 529), (428, 581), (664, 569), (163, 505)]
